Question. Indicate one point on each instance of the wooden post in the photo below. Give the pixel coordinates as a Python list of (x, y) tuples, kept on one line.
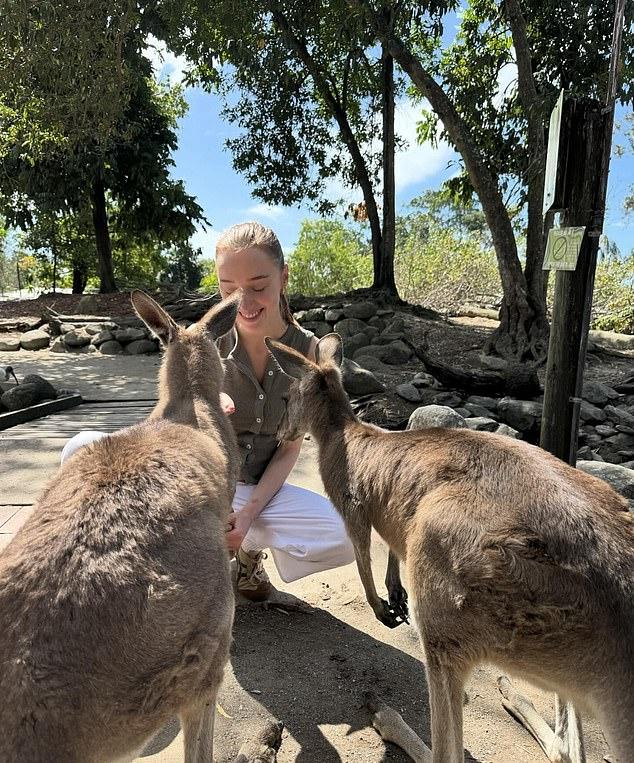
[(588, 132)]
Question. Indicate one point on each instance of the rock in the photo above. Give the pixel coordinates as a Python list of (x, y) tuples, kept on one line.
[(393, 354), (377, 322), (597, 393), (93, 328), (385, 312), (88, 305), (619, 477), (605, 430), (371, 331), (76, 338), (612, 340), (313, 315), (9, 343), (111, 348), (360, 310), (353, 343), (508, 431), (319, 328), (386, 338), (621, 441), (435, 416), (359, 381), (619, 416), (64, 328), (589, 412), (523, 415), (45, 389), (101, 337), (333, 315), (395, 326), (58, 345), (477, 410), (482, 424), (34, 340), (452, 399), (464, 412), (422, 379), (486, 402), (371, 363), (349, 327), (130, 334), (141, 346), (21, 396), (409, 392)]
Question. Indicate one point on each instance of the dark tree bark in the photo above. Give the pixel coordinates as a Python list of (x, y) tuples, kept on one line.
[(102, 235), (385, 279), (80, 279)]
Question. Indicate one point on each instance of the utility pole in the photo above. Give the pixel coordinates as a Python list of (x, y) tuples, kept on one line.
[(582, 179)]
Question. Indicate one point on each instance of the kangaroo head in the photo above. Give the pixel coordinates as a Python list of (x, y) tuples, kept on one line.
[(313, 383), (191, 365)]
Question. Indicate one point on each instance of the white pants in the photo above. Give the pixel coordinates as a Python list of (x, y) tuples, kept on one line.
[(302, 529)]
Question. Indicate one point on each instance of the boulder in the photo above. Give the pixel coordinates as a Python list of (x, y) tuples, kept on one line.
[(377, 322), (319, 328), (482, 424), (371, 363), (64, 328), (523, 415), (597, 393), (349, 327), (435, 416), (386, 338), (93, 328), (58, 345), (22, 396), (9, 343), (140, 347), (129, 334), (605, 430), (409, 392), (333, 315), (452, 399), (360, 310), (589, 412), (477, 410), (313, 315), (393, 354), (619, 416), (423, 379), (353, 343), (111, 348), (34, 340), (490, 403), (77, 338), (618, 476), (45, 389), (507, 431), (101, 337), (358, 380)]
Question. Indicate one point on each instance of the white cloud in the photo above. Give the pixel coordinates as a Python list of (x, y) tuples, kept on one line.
[(417, 162), (265, 210), (206, 241), (164, 63)]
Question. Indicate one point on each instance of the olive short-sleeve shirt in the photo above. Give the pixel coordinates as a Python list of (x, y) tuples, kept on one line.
[(259, 407)]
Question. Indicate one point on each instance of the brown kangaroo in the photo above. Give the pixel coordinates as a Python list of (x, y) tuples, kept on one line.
[(116, 603), (512, 556)]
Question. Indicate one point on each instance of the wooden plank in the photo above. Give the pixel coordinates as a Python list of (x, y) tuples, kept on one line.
[(12, 418)]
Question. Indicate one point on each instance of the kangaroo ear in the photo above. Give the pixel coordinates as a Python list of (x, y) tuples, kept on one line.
[(329, 350), (221, 318), (154, 317), (291, 362)]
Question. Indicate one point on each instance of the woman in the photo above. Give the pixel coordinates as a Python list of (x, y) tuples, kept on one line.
[(302, 529)]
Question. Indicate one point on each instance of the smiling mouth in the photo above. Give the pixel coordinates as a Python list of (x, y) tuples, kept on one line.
[(251, 316)]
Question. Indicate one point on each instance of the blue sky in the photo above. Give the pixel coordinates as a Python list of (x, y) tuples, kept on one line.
[(204, 164)]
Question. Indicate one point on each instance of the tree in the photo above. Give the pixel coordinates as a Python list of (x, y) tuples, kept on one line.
[(316, 103), (559, 46)]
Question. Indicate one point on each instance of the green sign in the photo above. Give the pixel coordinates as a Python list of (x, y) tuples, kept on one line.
[(562, 249)]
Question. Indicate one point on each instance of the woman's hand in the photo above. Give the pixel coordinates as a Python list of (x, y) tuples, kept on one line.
[(238, 526)]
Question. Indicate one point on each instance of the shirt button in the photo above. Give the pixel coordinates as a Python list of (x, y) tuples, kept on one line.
[(249, 446), (270, 373), (259, 421), (261, 397)]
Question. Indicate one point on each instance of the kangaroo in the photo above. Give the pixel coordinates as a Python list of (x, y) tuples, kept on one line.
[(512, 557), (116, 603)]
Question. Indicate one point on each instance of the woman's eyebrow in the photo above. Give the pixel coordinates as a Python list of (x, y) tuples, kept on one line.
[(255, 278)]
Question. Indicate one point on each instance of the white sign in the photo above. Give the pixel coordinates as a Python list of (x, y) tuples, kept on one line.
[(552, 157), (562, 249)]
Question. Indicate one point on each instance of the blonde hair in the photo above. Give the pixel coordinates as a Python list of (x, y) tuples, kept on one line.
[(254, 235)]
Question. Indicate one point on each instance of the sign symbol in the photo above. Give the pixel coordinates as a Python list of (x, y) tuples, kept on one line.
[(560, 248)]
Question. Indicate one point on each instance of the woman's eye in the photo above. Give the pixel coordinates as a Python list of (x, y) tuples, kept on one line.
[(258, 290)]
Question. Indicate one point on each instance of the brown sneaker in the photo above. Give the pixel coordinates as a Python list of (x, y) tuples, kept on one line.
[(252, 581)]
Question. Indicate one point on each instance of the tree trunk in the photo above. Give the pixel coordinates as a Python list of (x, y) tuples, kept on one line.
[(79, 280), (102, 235), (385, 278)]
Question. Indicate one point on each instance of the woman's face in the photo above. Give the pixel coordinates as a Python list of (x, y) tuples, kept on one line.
[(254, 271)]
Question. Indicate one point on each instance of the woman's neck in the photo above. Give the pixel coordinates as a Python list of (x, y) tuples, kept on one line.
[(254, 342)]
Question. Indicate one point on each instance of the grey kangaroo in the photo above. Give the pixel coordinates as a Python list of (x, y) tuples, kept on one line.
[(512, 557)]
